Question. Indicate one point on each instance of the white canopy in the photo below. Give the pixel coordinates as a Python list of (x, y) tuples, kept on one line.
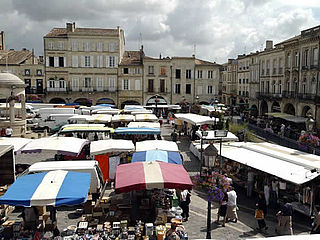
[(122, 118), (156, 145), (229, 137), (99, 118), (196, 119), (144, 124), (111, 145), (146, 117), (107, 111), (141, 112), (17, 143), (286, 163)]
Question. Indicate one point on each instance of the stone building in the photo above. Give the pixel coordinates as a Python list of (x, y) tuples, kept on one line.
[(229, 82), (82, 64), (243, 79)]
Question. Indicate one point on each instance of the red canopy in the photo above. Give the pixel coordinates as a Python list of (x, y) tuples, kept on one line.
[(150, 175)]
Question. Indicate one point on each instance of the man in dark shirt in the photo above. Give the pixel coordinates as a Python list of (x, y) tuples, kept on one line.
[(285, 215)]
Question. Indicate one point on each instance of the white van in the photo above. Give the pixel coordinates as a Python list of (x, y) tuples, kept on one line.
[(54, 121), (89, 166), (45, 112)]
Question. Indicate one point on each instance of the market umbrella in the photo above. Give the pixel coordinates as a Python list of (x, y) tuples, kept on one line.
[(157, 155), (57, 145), (111, 145), (142, 130), (157, 145), (49, 188), (151, 175)]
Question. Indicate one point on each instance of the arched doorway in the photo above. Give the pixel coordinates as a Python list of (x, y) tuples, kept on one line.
[(254, 110), (160, 101), (129, 102), (289, 109), (264, 107), (275, 107), (84, 102), (306, 111), (105, 101), (57, 100)]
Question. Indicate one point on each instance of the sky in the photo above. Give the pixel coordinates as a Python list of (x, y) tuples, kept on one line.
[(213, 30)]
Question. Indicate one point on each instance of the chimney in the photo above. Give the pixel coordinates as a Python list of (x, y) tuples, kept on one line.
[(41, 59), (160, 56), (2, 47), (269, 45), (193, 55), (71, 26)]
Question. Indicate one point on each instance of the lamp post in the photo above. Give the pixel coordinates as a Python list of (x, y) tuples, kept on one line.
[(203, 134), (220, 134), (156, 102), (309, 124)]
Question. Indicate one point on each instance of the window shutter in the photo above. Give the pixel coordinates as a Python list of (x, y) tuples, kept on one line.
[(122, 84), (82, 61), (56, 61), (116, 61), (128, 70), (64, 61), (191, 74), (199, 90), (48, 84), (129, 84), (91, 61), (47, 61), (107, 61), (137, 84)]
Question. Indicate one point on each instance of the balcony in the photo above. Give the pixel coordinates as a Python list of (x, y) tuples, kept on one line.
[(289, 94), (307, 96), (56, 89), (87, 89), (267, 95)]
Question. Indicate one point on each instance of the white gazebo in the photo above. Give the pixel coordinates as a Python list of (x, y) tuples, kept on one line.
[(12, 89)]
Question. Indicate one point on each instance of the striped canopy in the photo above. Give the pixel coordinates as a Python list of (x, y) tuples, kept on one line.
[(151, 175), (49, 188), (127, 130), (157, 155)]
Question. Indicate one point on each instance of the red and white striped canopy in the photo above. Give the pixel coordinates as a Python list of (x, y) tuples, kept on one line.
[(151, 175)]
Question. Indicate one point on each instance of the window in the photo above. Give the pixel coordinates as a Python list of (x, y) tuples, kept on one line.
[(150, 85), (177, 88), (39, 72), (306, 57), (247, 81), (210, 74), (75, 46), (112, 61), (112, 47), (162, 85), (296, 59), (50, 45), (125, 84), (239, 92), (163, 71), (273, 87), (199, 73), (268, 67), (61, 45), (99, 61), (61, 61), (150, 70), (51, 61), (199, 90), (51, 83), (209, 89), (62, 83), (280, 65), (178, 73), (239, 81), (87, 82), (126, 70), (86, 46), (188, 74), (188, 88), (136, 70), (28, 87), (75, 83), (99, 46), (137, 85), (288, 60), (87, 62), (315, 56), (27, 72), (99, 84), (112, 84), (75, 61), (280, 87)]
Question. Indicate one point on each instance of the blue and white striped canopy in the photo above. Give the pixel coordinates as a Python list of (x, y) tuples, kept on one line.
[(53, 188), (157, 155), (133, 130)]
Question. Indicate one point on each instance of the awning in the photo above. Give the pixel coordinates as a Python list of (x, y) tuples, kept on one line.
[(141, 112), (56, 145), (111, 145), (17, 143), (107, 111), (138, 131), (122, 118), (196, 119), (50, 188), (146, 117), (144, 124), (151, 175), (99, 118), (157, 145), (273, 159), (157, 155), (230, 136), (287, 117), (73, 129)]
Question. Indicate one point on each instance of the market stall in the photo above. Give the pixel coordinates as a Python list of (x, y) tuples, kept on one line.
[(157, 144), (146, 118), (92, 132), (144, 125), (157, 155), (196, 119)]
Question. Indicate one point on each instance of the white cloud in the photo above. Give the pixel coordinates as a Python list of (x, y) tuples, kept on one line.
[(220, 29)]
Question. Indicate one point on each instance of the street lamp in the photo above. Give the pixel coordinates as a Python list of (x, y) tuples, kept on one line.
[(203, 134), (309, 124), (220, 134), (156, 101)]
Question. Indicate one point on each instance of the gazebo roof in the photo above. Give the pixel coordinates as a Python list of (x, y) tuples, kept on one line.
[(8, 79)]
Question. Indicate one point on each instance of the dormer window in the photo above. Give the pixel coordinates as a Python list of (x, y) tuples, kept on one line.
[(27, 72)]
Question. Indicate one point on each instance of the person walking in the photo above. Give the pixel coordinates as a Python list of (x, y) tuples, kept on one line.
[(316, 223), (9, 131), (222, 209), (185, 202), (231, 206), (174, 136), (286, 218), (261, 212)]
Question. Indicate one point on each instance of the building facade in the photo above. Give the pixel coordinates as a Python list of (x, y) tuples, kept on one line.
[(229, 82)]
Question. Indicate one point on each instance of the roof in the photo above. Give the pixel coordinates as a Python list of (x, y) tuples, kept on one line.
[(62, 165), (131, 58), (63, 32), (4, 149), (202, 62), (13, 57), (289, 40)]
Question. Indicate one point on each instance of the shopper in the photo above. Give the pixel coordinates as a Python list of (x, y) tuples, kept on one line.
[(172, 234), (231, 206), (9, 131), (316, 223), (261, 212), (286, 218), (174, 136), (185, 202), (30, 217), (222, 209)]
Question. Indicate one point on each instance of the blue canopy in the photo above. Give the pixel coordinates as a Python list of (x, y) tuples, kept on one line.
[(157, 155), (132, 130), (53, 188)]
